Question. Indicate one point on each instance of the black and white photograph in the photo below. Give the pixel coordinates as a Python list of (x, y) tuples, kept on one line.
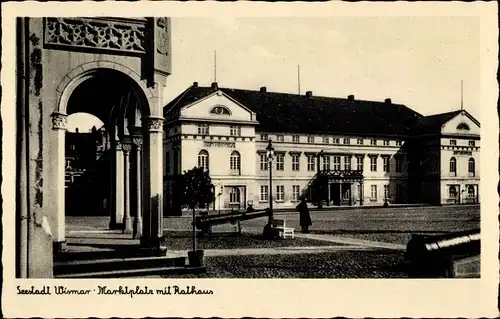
[(172, 149)]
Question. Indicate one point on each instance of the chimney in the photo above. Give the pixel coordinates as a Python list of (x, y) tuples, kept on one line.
[(195, 84), (388, 101), (263, 89), (214, 85), (350, 97), (76, 130), (309, 94)]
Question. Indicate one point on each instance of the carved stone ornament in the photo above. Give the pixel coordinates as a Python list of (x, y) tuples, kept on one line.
[(154, 124), (126, 147), (137, 141), (162, 36), (59, 121), (93, 34)]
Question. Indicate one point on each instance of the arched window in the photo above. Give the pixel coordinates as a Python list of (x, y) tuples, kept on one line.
[(453, 166), (203, 160), (463, 127), (235, 162), (220, 110), (452, 192), (471, 191), (472, 167)]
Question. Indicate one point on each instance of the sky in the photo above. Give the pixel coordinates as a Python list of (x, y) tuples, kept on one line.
[(416, 61)]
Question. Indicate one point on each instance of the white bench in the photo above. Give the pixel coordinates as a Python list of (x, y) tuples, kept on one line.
[(283, 231)]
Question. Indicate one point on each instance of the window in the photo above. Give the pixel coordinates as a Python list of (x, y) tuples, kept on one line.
[(280, 162), (360, 141), (373, 192), (453, 166), (386, 192), (453, 142), (471, 191), (346, 194), (234, 195), (235, 130), (264, 193), (235, 163), (347, 140), (203, 159), (386, 163), (386, 142), (220, 110), (263, 162), (326, 163), (280, 193), (399, 143), (359, 163), (373, 141), (399, 164), (452, 191), (295, 162), (203, 129), (472, 143), (72, 147), (280, 138), (326, 140), (264, 137), (311, 160), (463, 127), (472, 167), (295, 192), (295, 138), (347, 163), (336, 140), (310, 139), (373, 163), (336, 163)]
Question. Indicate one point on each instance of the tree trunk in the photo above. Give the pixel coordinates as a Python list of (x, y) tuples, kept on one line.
[(194, 230)]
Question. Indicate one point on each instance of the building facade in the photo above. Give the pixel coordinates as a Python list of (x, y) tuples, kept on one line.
[(332, 151)]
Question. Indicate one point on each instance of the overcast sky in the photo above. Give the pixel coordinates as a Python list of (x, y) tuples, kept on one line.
[(416, 61)]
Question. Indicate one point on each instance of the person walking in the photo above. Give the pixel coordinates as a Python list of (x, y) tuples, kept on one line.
[(305, 217)]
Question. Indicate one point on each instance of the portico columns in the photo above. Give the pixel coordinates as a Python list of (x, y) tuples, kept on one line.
[(137, 227), (152, 234), (127, 221), (57, 218), (117, 210)]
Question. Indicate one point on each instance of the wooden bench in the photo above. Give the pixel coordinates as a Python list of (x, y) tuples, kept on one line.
[(283, 231)]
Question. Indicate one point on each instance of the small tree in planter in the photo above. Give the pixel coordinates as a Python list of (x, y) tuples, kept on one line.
[(197, 192)]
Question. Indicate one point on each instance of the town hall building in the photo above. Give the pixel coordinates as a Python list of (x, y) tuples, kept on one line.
[(332, 151)]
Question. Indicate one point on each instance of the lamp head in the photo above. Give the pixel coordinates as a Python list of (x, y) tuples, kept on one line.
[(270, 149)]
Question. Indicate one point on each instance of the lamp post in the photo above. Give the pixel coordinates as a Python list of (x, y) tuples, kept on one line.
[(319, 187), (270, 156)]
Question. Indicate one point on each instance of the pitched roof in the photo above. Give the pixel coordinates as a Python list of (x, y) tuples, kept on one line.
[(292, 113), (433, 123)]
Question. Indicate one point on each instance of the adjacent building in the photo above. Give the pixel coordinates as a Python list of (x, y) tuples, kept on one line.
[(333, 151)]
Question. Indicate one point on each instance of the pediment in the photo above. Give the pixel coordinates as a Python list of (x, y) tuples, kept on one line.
[(463, 124)]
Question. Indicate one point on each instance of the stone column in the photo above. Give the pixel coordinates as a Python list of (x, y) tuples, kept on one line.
[(118, 188), (137, 226), (152, 235), (127, 221), (57, 218)]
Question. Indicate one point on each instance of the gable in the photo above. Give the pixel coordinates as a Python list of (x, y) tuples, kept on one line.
[(217, 107), (463, 124)]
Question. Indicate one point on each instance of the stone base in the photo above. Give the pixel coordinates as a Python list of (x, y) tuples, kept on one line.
[(153, 242)]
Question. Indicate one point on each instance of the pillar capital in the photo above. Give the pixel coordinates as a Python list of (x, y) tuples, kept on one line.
[(118, 145), (126, 147), (59, 121), (137, 141), (153, 124)]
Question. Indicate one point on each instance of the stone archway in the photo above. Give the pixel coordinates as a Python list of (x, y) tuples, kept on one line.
[(117, 96)]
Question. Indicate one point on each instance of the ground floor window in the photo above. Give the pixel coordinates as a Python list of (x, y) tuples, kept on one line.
[(295, 192), (373, 191), (471, 191), (346, 194), (452, 191), (264, 193), (386, 192), (280, 192), (234, 195)]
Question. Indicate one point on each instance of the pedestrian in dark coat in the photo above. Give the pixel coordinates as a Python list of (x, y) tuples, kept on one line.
[(305, 217)]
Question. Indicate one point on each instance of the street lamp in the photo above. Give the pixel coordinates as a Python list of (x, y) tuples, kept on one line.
[(270, 156)]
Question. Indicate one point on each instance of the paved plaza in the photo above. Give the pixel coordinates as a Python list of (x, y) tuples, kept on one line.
[(343, 243)]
